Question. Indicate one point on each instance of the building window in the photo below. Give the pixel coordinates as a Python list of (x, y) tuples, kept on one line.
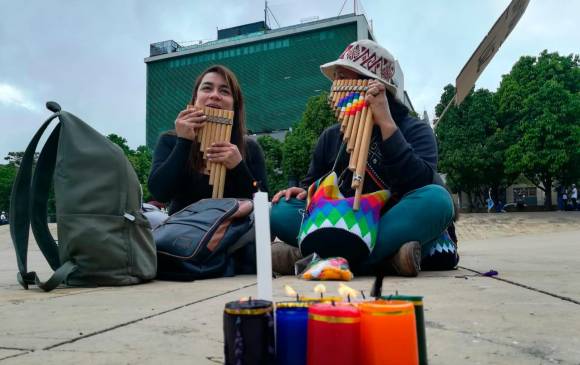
[(527, 191)]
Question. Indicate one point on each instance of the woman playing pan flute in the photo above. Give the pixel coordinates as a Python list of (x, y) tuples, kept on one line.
[(402, 157), (178, 171)]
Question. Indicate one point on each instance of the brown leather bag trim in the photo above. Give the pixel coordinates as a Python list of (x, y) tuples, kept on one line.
[(245, 207)]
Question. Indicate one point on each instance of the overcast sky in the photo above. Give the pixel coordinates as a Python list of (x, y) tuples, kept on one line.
[(88, 55)]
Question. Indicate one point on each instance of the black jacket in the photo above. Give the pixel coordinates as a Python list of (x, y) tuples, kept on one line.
[(405, 161), (171, 181)]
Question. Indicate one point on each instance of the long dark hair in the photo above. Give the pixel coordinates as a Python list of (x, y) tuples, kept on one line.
[(239, 127), (398, 110)]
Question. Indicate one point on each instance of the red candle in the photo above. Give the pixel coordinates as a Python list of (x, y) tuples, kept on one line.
[(333, 334)]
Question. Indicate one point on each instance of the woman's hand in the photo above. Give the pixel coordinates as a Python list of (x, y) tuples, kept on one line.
[(189, 122), (225, 153), (376, 98), (299, 193)]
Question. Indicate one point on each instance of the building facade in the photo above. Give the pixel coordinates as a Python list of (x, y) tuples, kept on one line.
[(277, 69)]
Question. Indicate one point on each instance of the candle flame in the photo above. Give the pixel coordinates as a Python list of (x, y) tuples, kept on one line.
[(320, 288), (289, 291), (346, 291)]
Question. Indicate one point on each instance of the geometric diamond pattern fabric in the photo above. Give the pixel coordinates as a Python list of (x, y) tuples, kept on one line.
[(326, 207)]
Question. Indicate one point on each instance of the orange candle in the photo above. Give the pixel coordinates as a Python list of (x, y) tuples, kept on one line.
[(388, 334)]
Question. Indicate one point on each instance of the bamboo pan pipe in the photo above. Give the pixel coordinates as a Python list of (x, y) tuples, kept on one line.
[(218, 128), (347, 99)]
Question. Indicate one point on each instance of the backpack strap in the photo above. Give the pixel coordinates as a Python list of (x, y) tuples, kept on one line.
[(39, 199), (21, 206)]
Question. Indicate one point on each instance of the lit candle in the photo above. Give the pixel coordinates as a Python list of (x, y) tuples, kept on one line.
[(300, 298), (333, 334), (291, 332), (346, 291), (420, 323), (249, 332), (263, 245), (320, 289), (388, 333)]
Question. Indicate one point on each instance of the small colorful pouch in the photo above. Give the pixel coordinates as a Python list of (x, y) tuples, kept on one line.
[(333, 268)]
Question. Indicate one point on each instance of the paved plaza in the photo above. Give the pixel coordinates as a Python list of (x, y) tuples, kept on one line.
[(528, 314)]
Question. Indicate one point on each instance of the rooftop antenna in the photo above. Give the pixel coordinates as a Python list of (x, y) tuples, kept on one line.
[(342, 7), (266, 10)]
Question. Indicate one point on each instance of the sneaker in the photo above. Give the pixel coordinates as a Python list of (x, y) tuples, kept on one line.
[(283, 258), (407, 261)]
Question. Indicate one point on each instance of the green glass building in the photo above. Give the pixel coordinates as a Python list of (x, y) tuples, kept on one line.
[(278, 70)]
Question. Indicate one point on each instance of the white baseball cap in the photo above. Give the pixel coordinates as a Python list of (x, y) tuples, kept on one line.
[(368, 58)]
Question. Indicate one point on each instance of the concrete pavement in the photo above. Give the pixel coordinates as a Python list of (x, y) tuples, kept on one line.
[(529, 314)]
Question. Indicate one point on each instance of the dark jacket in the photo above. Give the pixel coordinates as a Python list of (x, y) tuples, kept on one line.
[(172, 181), (405, 161)]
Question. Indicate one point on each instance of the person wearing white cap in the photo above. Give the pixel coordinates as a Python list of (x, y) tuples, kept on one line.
[(402, 158)]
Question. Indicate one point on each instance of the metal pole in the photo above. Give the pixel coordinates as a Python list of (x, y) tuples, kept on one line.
[(445, 110)]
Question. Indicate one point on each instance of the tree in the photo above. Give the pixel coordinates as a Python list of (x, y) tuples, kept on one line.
[(7, 176), (472, 145), (299, 143), (273, 152), (140, 159), (14, 158), (121, 142), (539, 102)]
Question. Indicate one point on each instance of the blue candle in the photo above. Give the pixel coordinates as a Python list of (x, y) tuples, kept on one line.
[(291, 330)]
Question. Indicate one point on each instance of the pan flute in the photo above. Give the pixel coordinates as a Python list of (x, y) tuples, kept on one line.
[(217, 128), (347, 99)]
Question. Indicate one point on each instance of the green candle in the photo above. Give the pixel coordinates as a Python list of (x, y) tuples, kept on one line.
[(419, 320)]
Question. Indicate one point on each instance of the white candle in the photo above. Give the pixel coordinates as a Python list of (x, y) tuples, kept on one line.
[(263, 245)]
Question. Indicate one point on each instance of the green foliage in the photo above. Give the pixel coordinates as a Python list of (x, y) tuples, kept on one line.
[(299, 143), (530, 127), (140, 159), (471, 144), (7, 175), (14, 158), (273, 153), (539, 103), (121, 142)]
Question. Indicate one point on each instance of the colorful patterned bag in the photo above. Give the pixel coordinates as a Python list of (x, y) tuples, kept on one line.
[(332, 228)]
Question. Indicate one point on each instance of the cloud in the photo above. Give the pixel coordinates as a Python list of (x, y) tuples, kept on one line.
[(89, 58), (11, 96)]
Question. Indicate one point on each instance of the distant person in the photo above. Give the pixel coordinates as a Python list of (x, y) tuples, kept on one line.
[(521, 201), (559, 193), (499, 207), (3, 218), (490, 202), (565, 199), (574, 197)]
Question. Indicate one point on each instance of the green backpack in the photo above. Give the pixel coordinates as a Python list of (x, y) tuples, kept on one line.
[(103, 238)]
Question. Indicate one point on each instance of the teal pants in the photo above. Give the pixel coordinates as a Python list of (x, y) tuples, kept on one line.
[(421, 215)]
